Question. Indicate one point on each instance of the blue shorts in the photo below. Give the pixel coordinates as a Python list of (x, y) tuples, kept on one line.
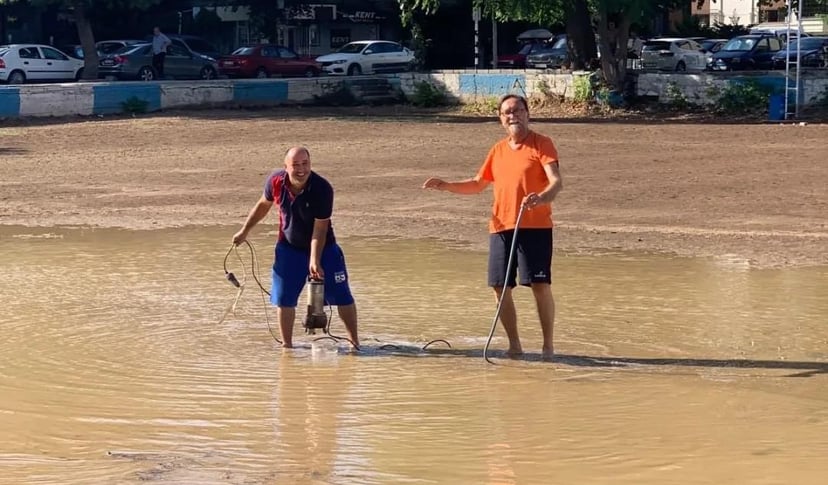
[(290, 273)]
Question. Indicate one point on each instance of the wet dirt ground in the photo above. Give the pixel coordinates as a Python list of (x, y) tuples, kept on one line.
[(749, 192)]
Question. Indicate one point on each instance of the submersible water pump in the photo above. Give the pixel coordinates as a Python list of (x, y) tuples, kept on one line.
[(316, 317)]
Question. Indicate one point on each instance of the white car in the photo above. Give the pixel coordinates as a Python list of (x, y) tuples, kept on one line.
[(678, 55), (34, 62), (367, 57)]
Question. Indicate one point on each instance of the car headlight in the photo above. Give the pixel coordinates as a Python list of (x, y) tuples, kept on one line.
[(339, 61)]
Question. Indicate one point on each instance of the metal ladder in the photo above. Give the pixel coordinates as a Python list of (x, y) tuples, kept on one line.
[(792, 67)]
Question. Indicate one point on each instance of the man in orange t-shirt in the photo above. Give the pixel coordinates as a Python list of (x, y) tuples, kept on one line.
[(523, 169)]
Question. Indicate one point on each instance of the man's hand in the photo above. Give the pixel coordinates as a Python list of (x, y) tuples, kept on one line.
[(239, 237), (532, 200), (316, 271), (434, 183)]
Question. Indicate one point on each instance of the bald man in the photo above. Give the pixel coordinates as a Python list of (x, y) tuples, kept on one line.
[(306, 246)]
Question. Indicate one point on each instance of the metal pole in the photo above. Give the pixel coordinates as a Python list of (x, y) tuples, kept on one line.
[(494, 42), (476, 18), (476, 46)]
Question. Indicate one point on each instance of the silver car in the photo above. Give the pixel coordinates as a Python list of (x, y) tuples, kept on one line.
[(671, 54)]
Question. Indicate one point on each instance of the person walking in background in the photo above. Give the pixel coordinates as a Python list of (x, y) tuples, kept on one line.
[(160, 42), (306, 246), (523, 168)]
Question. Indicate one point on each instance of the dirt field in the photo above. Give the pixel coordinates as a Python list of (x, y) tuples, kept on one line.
[(750, 191)]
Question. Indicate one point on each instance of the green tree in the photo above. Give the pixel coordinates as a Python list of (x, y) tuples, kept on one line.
[(611, 19), (80, 10)]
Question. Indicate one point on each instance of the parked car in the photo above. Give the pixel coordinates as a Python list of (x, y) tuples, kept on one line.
[(673, 54), (746, 52), (812, 52), (710, 47), (551, 55), (367, 57), (20, 63), (103, 47), (135, 62), (191, 43), (265, 60), (518, 59)]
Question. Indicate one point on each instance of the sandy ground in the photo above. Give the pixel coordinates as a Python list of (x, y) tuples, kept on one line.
[(750, 192)]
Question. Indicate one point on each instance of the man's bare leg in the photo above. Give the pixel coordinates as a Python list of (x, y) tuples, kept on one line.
[(348, 314), (546, 314), (508, 318), (286, 315)]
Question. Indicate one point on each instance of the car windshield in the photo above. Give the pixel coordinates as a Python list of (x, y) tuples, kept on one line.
[(740, 44), (352, 48), (526, 49), (244, 51), (658, 45)]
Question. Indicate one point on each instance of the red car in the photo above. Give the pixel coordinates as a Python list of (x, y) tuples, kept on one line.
[(518, 60), (265, 60)]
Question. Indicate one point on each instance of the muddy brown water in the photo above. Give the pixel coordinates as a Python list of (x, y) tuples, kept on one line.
[(115, 369)]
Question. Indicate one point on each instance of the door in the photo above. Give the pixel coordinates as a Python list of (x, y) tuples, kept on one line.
[(762, 55), (372, 58), (290, 62), (179, 63), (58, 65), (32, 63)]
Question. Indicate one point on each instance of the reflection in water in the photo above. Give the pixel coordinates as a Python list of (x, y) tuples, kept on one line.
[(116, 370)]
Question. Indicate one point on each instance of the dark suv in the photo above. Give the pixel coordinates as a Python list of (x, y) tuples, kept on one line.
[(746, 53)]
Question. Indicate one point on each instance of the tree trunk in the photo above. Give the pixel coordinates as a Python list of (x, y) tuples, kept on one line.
[(579, 37), (613, 33), (87, 39)]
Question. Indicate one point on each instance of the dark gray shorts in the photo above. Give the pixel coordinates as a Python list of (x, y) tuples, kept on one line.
[(533, 257)]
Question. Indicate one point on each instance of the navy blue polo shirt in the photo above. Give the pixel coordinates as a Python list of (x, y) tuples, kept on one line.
[(297, 212)]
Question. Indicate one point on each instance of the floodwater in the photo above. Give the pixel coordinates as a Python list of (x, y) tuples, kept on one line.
[(116, 369)]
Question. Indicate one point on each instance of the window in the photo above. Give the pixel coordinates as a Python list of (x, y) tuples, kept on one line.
[(177, 50), (52, 54), (775, 44), (286, 53), (313, 35), (270, 51), (762, 45), (28, 53)]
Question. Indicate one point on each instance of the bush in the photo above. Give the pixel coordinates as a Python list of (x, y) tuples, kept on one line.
[(427, 95), (135, 105), (743, 98)]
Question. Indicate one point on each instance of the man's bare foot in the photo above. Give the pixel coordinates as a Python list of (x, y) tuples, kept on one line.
[(514, 352), (287, 345), (547, 354)]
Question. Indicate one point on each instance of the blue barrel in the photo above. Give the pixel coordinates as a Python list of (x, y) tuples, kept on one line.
[(776, 108)]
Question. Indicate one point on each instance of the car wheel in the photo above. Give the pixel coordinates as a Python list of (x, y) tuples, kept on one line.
[(17, 77), (681, 67), (207, 72), (79, 74), (261, 73), (146, 73), (354, 70), (311, 72)]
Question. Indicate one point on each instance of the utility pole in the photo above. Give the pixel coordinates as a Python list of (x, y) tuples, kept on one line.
[(476, 18)]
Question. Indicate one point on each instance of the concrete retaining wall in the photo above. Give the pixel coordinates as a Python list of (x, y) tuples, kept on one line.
[(705, 88), (465, 86)]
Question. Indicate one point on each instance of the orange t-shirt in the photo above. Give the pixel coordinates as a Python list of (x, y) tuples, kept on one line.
[(515, 173)]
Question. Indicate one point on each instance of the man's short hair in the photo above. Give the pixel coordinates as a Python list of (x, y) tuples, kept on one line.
[(518, 97)]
